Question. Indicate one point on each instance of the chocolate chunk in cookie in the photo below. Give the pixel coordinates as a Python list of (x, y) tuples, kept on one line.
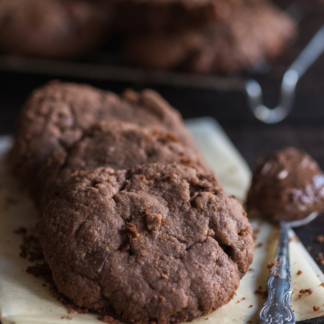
[(117, 145), (56, 116), (156, 242)]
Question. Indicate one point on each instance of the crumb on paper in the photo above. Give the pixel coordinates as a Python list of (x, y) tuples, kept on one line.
[(299, 273), (263, 294), (256, 232), (322, 284), (206, 319), (250, 306), (243, 298), (306, 291), (108, 319), (31, 250), (259, 245), (294, 239), (316, 309), (251, 270), (320, 239), (300, 296)]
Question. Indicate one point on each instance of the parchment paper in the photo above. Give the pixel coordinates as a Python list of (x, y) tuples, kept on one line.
[(23, 299)]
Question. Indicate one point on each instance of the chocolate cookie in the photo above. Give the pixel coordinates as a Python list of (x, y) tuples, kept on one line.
[(56, 116), (253, 34), (53, 28), (117, 145), (154, 243), (287, 185)]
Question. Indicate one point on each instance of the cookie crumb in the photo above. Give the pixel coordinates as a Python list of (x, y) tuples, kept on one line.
[(256, 232), (108, 319), (305, 291), (320, 239), (300, 296), (316, 309), (250, 306), (299, 273), (259, 245), (263, 294)]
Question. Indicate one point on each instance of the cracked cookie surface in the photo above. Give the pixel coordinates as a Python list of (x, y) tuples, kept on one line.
[(57, 114), (153, 243), (117, 145)]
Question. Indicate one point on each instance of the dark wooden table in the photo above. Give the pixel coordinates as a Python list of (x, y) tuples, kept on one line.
[(304, 128)]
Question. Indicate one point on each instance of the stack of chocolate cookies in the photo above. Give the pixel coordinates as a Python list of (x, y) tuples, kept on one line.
[(211, 36), (133, 222)]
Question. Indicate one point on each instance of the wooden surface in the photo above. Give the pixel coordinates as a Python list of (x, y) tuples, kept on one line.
[(304, 128)]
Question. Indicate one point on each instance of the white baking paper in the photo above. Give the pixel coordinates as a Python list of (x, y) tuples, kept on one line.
[(23, 299)]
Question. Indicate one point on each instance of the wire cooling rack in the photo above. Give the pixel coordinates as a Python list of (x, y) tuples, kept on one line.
[(106, 66)]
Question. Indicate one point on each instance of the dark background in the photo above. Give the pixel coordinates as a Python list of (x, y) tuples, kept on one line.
[(304, 127)]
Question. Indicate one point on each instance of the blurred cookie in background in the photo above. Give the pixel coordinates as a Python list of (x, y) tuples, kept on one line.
[(53, 28), (255, 33), (137, 16)]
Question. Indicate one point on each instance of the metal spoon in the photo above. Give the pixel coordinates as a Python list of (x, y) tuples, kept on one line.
[(276, 309)]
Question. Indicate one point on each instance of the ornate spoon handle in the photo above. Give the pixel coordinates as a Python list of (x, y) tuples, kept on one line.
[(277, 309)]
